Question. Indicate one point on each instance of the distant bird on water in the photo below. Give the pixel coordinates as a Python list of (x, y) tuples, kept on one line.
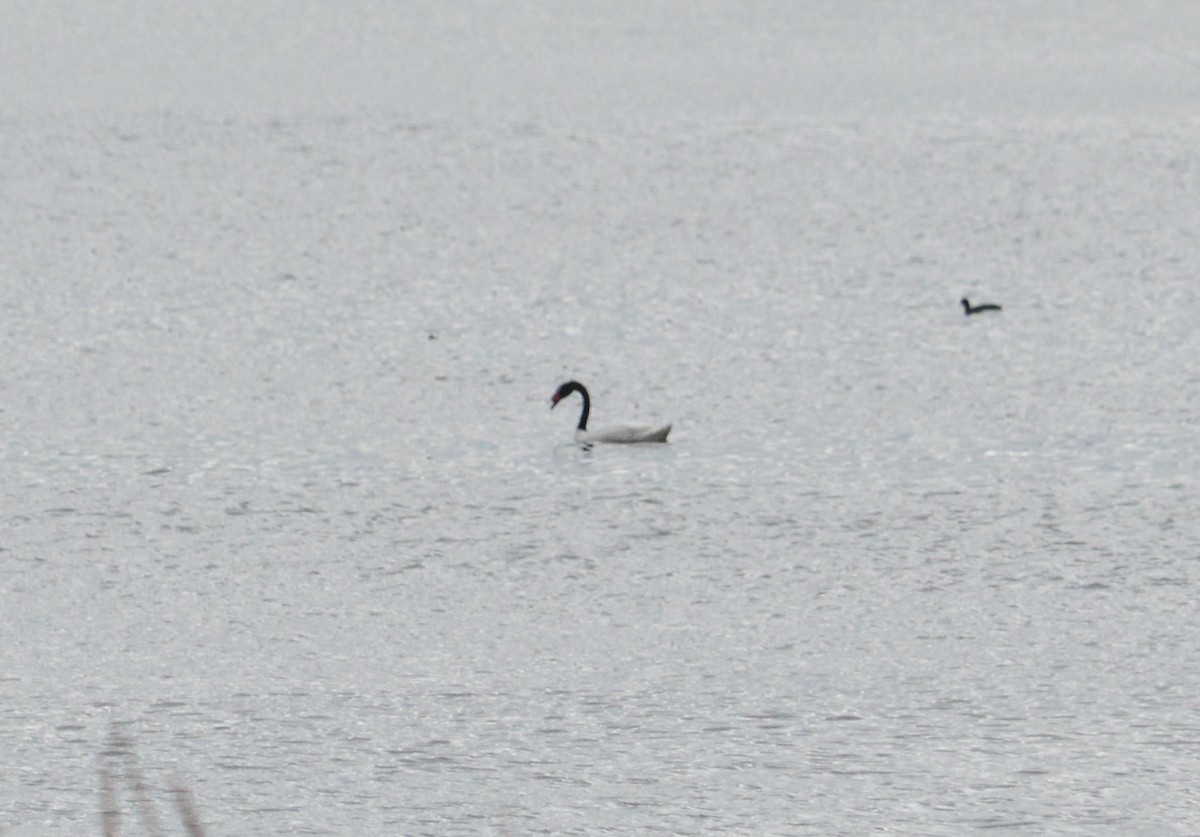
[(970, 309), (618, 433)]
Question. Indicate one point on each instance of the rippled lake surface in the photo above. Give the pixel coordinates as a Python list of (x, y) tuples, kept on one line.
[(285, 505)]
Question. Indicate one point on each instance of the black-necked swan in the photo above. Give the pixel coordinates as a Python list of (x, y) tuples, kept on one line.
[(619, 433), (970, 309)]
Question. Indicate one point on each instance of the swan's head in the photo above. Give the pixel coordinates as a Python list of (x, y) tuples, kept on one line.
[(564, 390), (559, 394)]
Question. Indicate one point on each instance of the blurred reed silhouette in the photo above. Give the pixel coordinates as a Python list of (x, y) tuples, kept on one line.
[(119, 769)]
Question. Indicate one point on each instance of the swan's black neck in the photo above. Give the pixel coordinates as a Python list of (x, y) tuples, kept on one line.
[(574, 386), (587, 403)]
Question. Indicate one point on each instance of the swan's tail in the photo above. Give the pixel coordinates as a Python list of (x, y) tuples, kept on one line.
[(659, 435)]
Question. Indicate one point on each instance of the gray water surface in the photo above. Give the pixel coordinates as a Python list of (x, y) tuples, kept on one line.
[(286, 506)]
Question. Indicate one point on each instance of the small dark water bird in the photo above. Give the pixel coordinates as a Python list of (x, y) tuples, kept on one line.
[(970, 309), (621, 433)]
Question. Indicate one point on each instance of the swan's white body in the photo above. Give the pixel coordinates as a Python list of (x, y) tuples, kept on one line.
[(624, 434), (617, 433)]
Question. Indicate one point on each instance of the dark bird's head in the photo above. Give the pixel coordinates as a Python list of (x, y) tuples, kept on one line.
[(566, 389), (563, 391)]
